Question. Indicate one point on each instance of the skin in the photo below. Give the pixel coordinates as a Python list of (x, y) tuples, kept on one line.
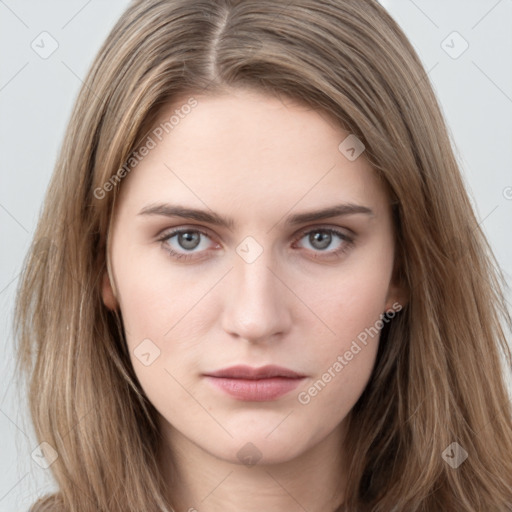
[(256, 159)]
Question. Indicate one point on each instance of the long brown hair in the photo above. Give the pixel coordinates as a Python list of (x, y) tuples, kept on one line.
[(439, 377)]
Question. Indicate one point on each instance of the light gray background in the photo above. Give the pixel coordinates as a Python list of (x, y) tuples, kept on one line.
[(37, 94)]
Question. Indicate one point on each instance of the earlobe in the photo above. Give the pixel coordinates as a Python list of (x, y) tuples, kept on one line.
[(398, 295), (396, 299), (394, 306), (107, 293)]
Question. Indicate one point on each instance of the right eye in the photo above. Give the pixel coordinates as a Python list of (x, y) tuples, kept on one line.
[(183, 242)]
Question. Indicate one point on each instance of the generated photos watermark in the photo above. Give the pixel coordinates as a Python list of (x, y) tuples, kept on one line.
[(157, 134), (305, 397)]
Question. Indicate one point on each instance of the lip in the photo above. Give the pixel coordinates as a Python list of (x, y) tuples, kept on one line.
[(248, 372), (255, 384)]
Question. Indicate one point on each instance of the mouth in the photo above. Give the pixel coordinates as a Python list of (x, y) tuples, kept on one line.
[(255, 384)]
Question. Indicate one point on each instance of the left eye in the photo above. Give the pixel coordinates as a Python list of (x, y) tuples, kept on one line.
[(321, 239)]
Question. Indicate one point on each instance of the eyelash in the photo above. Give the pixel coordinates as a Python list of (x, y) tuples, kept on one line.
[(348, 241)]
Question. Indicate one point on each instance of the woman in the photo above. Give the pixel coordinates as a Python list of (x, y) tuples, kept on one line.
[(263, 286)]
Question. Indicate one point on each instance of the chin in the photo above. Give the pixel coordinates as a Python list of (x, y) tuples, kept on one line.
[(258, 448)]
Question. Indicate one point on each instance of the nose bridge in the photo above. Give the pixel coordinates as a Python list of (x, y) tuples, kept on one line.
[(256, 307)]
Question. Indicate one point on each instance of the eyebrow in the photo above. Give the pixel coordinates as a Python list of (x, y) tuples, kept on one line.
[(169, 210)]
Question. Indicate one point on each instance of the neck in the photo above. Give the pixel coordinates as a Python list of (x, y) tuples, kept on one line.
[(201, 482)]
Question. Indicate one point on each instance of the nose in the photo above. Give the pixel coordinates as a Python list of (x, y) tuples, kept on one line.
[(257, 304)]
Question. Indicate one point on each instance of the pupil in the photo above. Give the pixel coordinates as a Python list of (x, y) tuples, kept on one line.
[(188, 240), (322, 237)]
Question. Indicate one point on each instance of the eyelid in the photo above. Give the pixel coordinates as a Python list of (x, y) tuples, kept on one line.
[(167, 232), (327, 227)]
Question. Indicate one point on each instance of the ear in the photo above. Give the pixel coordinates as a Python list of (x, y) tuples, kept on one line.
[(396, 299), (107, 292), (397, 291)]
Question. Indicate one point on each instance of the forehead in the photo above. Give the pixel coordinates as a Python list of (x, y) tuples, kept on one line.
[(247, 149)]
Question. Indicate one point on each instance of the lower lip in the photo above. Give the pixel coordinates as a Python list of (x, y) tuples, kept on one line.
[(260, 390)]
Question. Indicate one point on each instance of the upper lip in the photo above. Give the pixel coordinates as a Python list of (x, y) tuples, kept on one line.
[(248, 372)]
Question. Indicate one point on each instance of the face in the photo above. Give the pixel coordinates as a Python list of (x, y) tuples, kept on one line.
[(218, 261)]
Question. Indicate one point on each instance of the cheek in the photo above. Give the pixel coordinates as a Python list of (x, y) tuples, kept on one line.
[(345, 354), (348, 305), (167, 314), (162, 317), (153, 294)]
